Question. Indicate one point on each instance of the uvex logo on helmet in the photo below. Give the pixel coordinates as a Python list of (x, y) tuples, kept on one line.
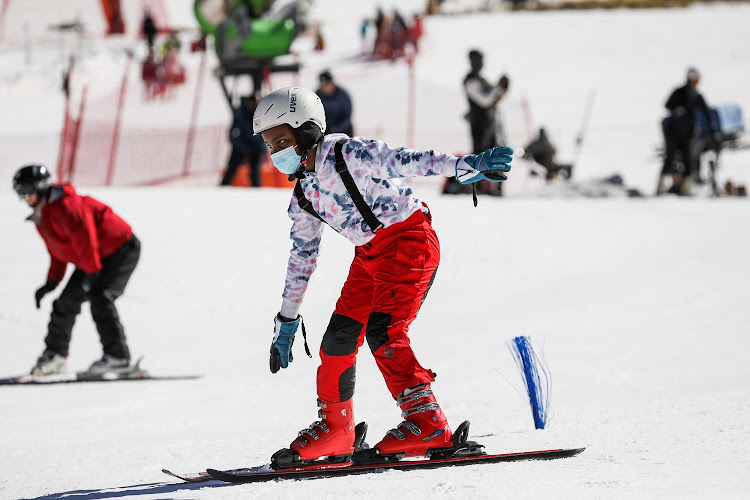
[(292, 102)]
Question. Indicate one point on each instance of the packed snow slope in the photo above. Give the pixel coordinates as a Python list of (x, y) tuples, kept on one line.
[(640, 304), (641, 307)]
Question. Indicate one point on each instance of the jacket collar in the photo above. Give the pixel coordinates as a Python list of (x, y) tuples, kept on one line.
[(55, 193)]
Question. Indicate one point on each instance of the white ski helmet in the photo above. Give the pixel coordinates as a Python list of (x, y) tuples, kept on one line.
[(293, 106)]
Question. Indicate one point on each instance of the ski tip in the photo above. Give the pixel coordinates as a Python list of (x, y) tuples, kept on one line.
[(571, 452)]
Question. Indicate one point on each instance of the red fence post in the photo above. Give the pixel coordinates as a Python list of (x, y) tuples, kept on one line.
[(76, 134), (118, 118), (63, 160), (194, 117), (63, 165), (3, 12), (411, 116)]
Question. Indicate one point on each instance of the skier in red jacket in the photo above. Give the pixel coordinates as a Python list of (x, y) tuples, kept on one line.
[(88, 234)]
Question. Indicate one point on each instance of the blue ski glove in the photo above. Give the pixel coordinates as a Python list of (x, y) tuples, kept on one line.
[(283, 339), (489, 166)]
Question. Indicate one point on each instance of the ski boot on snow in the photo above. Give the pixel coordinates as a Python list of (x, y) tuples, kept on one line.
[(424, 425), (423, 433), (457, 448), (333, 438), (49, 363), (109, 364)]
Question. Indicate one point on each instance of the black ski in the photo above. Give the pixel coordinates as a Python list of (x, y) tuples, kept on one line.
[(135, 372), (266, 473), (285, 464)]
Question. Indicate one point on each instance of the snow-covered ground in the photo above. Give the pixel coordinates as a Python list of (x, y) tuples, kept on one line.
[(641, 304)]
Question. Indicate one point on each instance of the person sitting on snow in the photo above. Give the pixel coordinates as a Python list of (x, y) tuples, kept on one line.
[(680, 129)]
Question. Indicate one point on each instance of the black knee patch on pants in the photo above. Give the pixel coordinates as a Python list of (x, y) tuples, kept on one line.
[(346, 383), (341, 336), (377, 330)]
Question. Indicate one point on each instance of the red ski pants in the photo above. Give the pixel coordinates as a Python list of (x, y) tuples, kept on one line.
[(387, 283)]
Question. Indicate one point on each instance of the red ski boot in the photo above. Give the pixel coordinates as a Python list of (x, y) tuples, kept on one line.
[(332, 436), (424, 427)]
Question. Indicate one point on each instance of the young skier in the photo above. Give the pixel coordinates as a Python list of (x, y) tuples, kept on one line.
[(102, 247), (354, 185)]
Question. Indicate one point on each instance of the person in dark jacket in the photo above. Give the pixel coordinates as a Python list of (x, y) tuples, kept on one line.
[(149, 29), (482, 97), (685, 104), (337, 104), (245, 145), (86, 233)]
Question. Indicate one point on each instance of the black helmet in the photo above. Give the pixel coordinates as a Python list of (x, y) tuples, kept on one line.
[(32, 179)]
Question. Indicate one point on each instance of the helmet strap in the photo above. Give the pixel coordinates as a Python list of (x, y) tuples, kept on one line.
[(300, 173)]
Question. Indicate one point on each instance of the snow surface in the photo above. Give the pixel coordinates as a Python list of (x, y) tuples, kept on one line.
[(640, 304)]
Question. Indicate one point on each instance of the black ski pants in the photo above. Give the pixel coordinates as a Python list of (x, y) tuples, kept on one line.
[(255, 162), (108, 285)]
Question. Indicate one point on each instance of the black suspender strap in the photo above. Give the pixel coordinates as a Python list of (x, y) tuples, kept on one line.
[(304, 203), (351, 188)]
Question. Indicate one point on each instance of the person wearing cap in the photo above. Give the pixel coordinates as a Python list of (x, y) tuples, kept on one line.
[(337, 105), (88, 234), (681, 130)]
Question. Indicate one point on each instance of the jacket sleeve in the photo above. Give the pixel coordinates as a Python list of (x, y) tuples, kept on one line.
[(303, 259), (674, 101), (385, 162), (56, 269), (710, 118), (483, 99), (78, 221)]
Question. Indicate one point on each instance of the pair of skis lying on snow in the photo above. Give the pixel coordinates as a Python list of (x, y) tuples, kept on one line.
[(365, 460)]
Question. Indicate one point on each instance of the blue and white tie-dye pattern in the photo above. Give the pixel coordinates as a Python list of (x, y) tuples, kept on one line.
[(377, 170)]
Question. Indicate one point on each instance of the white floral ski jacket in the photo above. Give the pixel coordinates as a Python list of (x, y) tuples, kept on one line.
[(377, 170)]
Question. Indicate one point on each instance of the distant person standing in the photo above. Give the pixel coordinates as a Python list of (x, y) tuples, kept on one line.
[(337, 105), (149, 29), (681, 134), (88, 234), (482, 97), (245, 145)]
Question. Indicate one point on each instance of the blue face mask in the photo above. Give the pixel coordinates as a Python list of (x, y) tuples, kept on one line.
[(287, 160)]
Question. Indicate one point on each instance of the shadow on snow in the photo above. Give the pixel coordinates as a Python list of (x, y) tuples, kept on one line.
[(129, 491)]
